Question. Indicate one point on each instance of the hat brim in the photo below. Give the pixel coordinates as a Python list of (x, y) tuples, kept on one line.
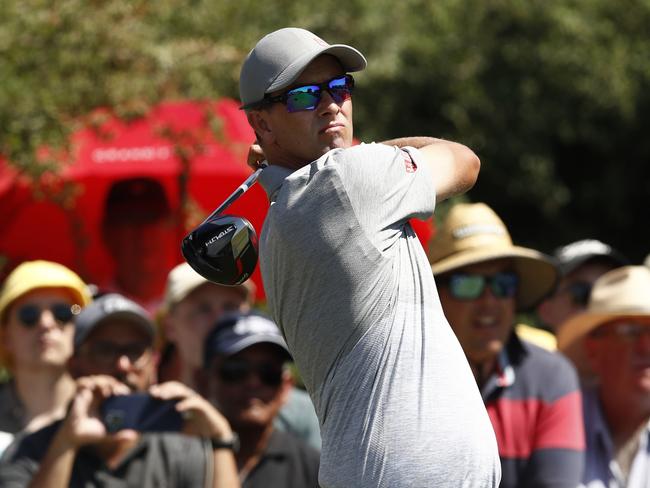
[(614, 258), (571, 334), (351, 60), (247, 342), (537, 273), (137, 320)]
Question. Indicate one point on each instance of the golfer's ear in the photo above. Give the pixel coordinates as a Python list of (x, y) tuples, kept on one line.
[(258, 120)]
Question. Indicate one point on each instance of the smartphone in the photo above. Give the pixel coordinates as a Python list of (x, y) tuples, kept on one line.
[(141, 412)]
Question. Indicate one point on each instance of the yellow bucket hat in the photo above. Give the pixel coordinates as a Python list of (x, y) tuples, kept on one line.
[(32, 275)]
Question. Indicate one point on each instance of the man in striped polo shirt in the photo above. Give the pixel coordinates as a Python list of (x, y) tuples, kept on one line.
[(531, 394)]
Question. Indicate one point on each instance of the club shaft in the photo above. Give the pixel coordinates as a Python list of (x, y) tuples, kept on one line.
[(241, 189)]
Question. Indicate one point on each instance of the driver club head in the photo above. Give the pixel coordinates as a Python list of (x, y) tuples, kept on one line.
[(222, 250)]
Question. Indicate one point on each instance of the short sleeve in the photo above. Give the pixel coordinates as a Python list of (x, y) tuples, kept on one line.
[(386, 185)]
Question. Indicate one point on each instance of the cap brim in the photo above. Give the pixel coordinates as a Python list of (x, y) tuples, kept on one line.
[(573, 264), (351, 60), (247, 342), (537, 273), (143, 324)]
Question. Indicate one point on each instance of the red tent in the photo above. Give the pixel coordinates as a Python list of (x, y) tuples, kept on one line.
[(67, 229)]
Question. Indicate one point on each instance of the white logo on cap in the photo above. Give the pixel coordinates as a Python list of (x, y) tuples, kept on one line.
[(255, 325), (115, 304), (475, 229), (582, 248)]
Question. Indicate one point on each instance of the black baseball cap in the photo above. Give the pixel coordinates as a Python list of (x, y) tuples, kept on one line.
[(575, 254)]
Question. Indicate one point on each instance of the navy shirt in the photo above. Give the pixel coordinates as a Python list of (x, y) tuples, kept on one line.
[(534, 403)]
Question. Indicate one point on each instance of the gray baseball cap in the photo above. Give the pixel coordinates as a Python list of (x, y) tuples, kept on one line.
[(281, 56), (236, 331), (111, 306)]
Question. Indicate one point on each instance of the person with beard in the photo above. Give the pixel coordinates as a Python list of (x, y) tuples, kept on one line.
[(247, 379), (114, 355)]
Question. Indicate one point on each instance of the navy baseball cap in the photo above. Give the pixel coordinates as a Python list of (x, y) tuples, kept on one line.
[(237, 331), (111, 306)]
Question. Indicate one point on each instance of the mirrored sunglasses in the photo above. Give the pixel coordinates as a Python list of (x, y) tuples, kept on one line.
[(235, 371), (307, 97), (465, 286), (29, 314)]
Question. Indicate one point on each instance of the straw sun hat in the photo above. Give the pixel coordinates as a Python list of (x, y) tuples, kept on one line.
[(473, 234), (620, 293)]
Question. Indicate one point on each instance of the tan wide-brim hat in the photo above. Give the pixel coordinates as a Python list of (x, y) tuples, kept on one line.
[(620, 293), (473, 234)]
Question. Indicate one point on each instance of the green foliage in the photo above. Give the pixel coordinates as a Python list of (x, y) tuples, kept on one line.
[(553, 96)]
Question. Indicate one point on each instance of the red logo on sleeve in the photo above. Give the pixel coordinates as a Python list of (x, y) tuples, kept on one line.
[(410, 165)]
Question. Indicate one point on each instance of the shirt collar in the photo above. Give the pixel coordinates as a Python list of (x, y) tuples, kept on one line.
[(504, 375), (272, 179)]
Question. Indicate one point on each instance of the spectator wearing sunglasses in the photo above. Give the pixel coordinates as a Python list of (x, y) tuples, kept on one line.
[(247, 379), (191, 307), (613, 335), (114, 355), (580, 263), (531, 394), (347, 280), (38, 301)]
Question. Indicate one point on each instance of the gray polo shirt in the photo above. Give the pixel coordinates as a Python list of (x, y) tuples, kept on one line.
[(351, 288)]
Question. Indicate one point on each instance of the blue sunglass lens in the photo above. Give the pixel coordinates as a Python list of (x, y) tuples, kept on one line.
[(303, 98), (470, 287), (308, 97)]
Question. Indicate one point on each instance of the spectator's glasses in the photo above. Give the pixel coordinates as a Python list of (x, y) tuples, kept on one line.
[(307, 97), (107, 353), (626, 331), (237, 370), (30, 314), (466, 286), (579, 292)]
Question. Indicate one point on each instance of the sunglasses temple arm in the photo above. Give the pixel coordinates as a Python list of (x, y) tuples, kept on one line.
[(241, 189)]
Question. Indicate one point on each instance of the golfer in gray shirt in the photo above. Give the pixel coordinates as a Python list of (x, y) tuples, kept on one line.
[(348, 281)]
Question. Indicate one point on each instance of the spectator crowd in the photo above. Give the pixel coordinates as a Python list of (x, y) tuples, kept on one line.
[(201, 388), (568, 398)]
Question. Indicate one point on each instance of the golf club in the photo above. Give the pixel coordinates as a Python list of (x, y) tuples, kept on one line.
[(223, 248)]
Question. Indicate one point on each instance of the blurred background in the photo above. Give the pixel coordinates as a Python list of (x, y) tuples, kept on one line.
[(553, 96)]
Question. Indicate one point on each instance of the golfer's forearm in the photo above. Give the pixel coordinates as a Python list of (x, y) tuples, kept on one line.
[(56, 467), (415, 141)]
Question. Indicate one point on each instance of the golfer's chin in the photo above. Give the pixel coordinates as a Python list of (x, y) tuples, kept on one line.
[(336, 141)]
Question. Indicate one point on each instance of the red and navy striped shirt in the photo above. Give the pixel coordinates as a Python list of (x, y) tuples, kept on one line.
[(533, 400)]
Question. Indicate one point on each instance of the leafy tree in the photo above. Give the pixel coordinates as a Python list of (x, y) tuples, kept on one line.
[(552, 95)]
